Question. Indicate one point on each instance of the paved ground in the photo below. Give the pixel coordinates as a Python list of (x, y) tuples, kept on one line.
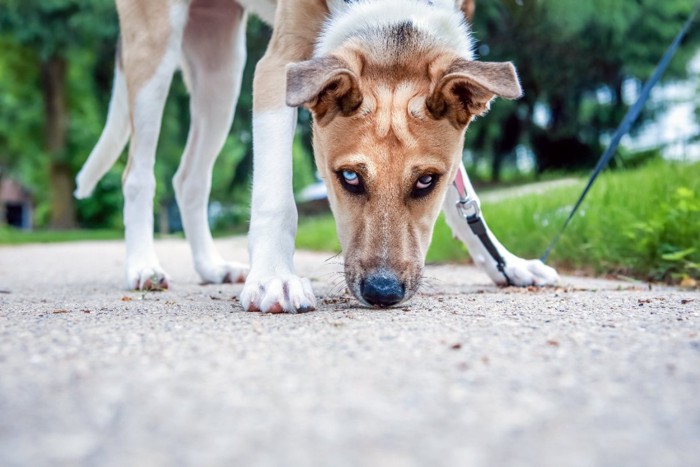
[(500, 193), (595, 373)]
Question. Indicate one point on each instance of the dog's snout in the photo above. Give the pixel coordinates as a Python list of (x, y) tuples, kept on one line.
[(382, 290)]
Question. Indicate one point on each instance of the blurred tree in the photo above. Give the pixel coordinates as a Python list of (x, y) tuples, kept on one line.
[(575, 59), (89, 58), (50, 35), (579, 63)]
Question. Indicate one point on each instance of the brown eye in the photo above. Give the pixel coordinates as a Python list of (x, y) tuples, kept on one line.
[(424, 182), (424, 185)]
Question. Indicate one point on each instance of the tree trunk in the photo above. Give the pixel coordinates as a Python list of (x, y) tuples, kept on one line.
[(3, 214), (163, 219), (53, 81), (506, 144)]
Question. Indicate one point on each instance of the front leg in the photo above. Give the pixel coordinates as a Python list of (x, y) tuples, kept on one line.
[(521, 272), (272, 284)]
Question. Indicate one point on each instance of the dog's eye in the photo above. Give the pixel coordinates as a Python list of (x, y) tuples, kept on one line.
[(424, 185), (351, 178), (351, 181), (424, 182)]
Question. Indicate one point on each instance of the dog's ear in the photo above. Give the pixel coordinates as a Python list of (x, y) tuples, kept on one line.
[(467, 7), (467, 87), (326, 86)]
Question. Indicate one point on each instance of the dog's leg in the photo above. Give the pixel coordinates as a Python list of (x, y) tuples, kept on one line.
[(112, 140), (521, 272), (214, 55), (272, 284), (152, 37)]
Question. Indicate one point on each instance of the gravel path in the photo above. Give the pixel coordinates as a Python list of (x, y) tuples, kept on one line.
[(593, 373)]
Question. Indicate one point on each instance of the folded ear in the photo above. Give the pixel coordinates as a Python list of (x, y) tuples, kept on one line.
[(467, 87), (325, 85)]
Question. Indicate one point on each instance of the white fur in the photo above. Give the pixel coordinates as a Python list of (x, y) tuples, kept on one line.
[(273, 221), (140, 184), (112, 140), (521, 271), (440, 20), (214, 93)]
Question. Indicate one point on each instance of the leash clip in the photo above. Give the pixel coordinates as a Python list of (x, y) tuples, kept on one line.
[(468, 208)]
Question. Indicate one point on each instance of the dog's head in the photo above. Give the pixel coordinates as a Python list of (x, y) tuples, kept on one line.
[(388, 138)]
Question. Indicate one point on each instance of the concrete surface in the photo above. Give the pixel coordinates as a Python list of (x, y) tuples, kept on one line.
[(592, 373)]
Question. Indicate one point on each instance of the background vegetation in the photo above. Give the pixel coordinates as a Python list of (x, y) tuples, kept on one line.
[(581, 64), (643, 223)]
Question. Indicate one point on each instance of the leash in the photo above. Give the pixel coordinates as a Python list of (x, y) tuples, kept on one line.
[(469, 209), (625, 125)]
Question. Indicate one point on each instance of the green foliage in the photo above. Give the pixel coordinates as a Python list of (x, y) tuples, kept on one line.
[(574, 58), (58, 27), (20, 106), (10, 236), (629, 221), (643, 222), (318, 233), (567, 51), (667, 244)]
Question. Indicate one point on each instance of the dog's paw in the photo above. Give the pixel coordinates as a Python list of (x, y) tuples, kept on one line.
[(147, 278), (523, 272), (222, 272), (285, 294)]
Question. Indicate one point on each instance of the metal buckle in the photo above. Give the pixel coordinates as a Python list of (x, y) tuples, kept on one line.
[(464, 206)]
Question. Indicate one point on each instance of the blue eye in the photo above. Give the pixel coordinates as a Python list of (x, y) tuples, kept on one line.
[(351, 178), (351, 181)]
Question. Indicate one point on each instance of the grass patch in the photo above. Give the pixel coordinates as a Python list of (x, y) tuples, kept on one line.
[(10, 236), (643, 223), (318, 233)]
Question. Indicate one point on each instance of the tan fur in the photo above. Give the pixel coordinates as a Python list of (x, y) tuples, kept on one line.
[(393, 138), (467, 6), (467, 87), (297, 24), (391, 141), (144, 32), (145, 29)]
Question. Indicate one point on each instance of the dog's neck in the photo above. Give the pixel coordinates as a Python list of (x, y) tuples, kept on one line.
[(437, 19)]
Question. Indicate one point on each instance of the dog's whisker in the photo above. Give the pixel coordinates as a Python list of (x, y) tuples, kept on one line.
[(337, 285), (330, 274), (330, 259), (424, 285)]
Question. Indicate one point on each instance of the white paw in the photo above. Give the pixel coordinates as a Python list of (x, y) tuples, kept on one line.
[(147, 278), (220, 272), (523, 272), (288, 294)]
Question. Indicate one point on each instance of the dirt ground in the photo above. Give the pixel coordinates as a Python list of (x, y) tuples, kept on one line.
[(594, 372)]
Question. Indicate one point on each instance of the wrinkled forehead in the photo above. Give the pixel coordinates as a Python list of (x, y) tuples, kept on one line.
[(392, 128)]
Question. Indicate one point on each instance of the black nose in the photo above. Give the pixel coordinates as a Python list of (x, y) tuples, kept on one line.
[(382, 290)]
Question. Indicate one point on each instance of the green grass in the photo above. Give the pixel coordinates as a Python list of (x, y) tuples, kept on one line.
[(643, 223), (10, 236)]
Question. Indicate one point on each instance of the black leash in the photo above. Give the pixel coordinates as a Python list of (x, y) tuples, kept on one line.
[(626, 125), (470, 211)]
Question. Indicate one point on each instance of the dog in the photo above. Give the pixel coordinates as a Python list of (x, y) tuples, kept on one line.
[(392, 86)]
